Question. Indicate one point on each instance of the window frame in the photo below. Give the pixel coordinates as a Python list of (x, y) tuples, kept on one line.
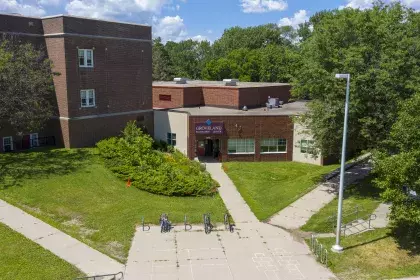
[(171, 139), (245, 144), (277, 146), (32, 140), (88, 105), (85, 58), (309, 149), (11, 143)]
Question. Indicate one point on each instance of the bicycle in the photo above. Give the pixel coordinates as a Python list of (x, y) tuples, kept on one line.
[(228, 224), (165, 224), (207, 224)]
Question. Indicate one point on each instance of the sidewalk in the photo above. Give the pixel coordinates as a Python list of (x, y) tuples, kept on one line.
[(234, 202), (299, 212), (88, 260)]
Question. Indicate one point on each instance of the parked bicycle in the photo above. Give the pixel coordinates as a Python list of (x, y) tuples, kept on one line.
[(165, 224), (228, 222), (207, 224)]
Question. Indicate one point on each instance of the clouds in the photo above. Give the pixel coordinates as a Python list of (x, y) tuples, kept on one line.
[(170, 28), (366, 4), (298, 18), (262, 6), (29, 9)]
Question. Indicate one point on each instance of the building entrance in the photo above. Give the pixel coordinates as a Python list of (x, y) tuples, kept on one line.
[(208, 148)]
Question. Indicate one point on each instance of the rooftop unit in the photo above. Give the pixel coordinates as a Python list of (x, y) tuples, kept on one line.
[(230, 82), (180, 81)]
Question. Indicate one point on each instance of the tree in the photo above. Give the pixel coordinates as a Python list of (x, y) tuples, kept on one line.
[(26, 87), (378, 48), (397, 165), (162, 68)]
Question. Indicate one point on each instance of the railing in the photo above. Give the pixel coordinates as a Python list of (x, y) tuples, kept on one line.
[(358, 222), (332, 220), (321, 253), (120, 276)]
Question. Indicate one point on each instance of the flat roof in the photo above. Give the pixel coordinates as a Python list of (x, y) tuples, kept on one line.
[(289, 109), (197, 83)]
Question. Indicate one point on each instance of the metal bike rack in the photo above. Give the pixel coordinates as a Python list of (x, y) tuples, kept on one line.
[(165, 224), (116, 276), (321, 253), (228, 224), (145, 227), (207, 223), (187, 226)]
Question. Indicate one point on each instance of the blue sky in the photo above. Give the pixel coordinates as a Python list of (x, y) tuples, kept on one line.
[(182, 19)]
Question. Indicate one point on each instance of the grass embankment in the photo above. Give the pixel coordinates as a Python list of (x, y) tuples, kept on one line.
[(73, 191), (268, 187), (374, 255), (363, 194), (20, 258)]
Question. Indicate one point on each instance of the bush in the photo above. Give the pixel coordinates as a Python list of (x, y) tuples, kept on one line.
[(133, 156)]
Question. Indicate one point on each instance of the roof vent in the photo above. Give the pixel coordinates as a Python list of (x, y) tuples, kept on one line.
[(180, 81), (230, 82), (245, 108)]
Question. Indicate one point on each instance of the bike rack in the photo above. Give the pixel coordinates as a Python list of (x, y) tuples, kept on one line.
[(165, 224), (228, 225), (187, 226), (99, 277), (321, 253), (207, 223), (144, 225)]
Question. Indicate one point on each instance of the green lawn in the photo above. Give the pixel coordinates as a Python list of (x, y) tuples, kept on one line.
[(364, 194), (20, 258), (268, 187), (374, 255), (73, 191)]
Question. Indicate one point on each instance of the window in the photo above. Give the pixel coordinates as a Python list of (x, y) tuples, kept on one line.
[(34, 140), (307, 146), (269, 146), (171, 139), (8, 143), (164, 97), (241, 146), (85, 58), (88, 97)]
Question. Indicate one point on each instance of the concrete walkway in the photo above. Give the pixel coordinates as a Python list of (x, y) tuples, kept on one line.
[(234, 202), (381, 213), (299, 212), (88, 260)]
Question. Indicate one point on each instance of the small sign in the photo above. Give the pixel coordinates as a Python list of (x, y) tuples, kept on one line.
[(128, 183), (209, 127)]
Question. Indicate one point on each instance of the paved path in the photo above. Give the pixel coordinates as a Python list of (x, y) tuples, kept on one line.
[(88, 260), (381, 213), (299, 212), (253, 251)]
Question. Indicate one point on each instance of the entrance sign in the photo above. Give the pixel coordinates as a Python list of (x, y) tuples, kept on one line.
[(209, 127)]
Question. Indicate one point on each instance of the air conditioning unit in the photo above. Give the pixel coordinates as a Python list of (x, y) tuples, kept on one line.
[(230, 82), (180, 81)]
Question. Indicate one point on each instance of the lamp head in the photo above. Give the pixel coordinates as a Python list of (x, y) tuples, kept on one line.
[(342, 76)]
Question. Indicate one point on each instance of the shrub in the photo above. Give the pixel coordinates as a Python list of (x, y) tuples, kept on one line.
[(134, 156)]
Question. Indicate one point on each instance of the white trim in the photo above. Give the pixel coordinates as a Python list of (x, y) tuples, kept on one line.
[(105, 115), (87, 98), (277, 145), (85, 58), (11, 143), (267, 153), (242, 153)]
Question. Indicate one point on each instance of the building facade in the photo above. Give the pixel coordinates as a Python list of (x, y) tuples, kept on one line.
[(105, 77), (208, 119)]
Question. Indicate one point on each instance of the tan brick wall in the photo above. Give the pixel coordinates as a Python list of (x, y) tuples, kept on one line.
[(247, 127), (221, 96)]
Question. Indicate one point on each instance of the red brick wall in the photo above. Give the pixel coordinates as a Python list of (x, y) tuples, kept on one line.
[(258, 96), (247, 127), (193, 96), (176, 93), (53, 25), (14, 23), (221, 96)]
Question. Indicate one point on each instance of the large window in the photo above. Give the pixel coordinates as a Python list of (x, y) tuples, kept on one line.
[(8, 143), (269, 146), (241, 146), (87, 97), (171, 139), (307, 146), (85, 58)]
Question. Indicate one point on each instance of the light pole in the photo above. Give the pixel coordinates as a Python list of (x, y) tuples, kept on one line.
[(337, 247)]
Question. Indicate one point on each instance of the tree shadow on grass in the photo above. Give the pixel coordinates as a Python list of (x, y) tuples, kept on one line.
[(37, 164), (408, 238)]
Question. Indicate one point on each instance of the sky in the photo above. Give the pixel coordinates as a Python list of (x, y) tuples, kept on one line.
[(175, 20)]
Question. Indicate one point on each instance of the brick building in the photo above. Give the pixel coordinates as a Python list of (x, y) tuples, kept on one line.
[(105, 77), (208, 119)]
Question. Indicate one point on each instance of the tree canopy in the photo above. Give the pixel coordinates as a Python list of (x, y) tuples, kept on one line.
[(26, 87)]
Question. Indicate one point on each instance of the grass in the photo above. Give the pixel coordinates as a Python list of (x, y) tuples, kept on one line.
[(364, 195), (268, 187), (374, 255), (74, 192), (20, 258)]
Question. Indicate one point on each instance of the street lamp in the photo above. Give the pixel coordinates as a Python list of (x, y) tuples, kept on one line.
[(337, 247)]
